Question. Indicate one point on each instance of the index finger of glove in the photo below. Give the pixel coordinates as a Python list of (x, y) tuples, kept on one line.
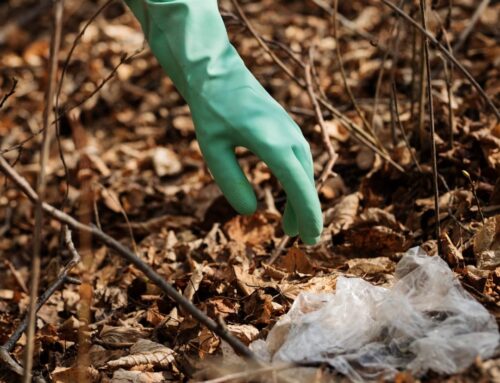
[(299, 190)]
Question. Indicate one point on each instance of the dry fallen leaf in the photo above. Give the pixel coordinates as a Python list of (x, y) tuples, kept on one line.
[(343, 214), (165, 162), (255, 229), (244, 332), (487, 244), (370, 266), (145, 352), (295, 260), (123, 376), (122, 336)]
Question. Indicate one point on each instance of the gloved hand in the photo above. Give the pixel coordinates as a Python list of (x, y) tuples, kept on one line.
[(230, 108)]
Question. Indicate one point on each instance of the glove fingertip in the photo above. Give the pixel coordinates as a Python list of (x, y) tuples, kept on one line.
[(242, 199), (311, 240)]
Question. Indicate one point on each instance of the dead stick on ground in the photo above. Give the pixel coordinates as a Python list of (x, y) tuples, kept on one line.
[(35, 261), (447, 54), (431, 116), (128, 255)]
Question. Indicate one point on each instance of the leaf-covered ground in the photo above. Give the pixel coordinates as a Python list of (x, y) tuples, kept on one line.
[(134, 169)]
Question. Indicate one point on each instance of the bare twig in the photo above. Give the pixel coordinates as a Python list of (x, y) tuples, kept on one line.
[(393, 121), (447, 54), (277, 252), (58, 95), (431, 116), (35, 261), (16, 275), (332, 155), (9, 93), (125, 253), (422, 88), (125, 58), (367, 126), (10, 363), (448, 72), (470, 25), (473, 187), (358, 133), (413, 72), (73, 47), (403, 131)]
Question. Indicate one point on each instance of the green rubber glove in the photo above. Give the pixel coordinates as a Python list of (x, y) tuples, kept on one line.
[(230, 108)]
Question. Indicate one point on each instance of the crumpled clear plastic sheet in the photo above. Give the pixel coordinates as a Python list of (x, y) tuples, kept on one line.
[(425, 321)]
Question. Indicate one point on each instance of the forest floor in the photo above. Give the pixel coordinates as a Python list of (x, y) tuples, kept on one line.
[(134, 169)]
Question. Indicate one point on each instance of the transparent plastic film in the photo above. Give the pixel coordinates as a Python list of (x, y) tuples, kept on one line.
[(425, 321)]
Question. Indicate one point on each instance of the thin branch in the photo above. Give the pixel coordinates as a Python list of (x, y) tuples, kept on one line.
[(400, 125), (431, 116), (128, 255), (41, 182), (358, 133), (277, 252), (125, 58), (9, 93), (16, 274), (422, 88), (332, 155), (367, 126), (448, 55), (473, 187), (413, 72), (448, 72), (58, 95)]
